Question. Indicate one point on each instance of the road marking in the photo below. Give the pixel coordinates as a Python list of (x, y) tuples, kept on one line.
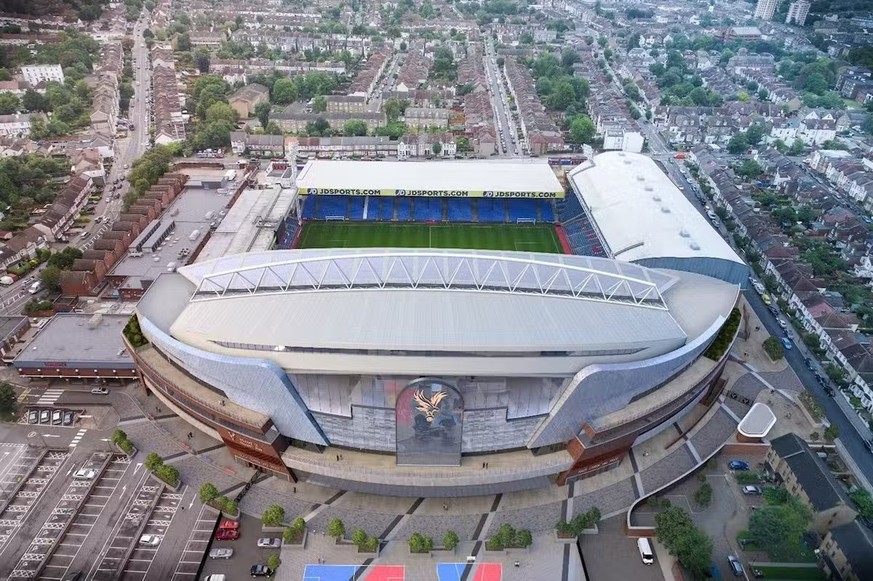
[(49, 397), (78, 437)]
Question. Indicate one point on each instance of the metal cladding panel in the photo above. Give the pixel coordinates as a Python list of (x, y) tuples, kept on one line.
[(368, 428), (602, 389), (718, 268), (252, 383), (490, 431)]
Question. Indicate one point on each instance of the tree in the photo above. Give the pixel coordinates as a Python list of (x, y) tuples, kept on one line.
[(336, 528), (418, 543), (51, 278), (462, 144), (437, 148), (118, 436), (262, 112), (318, 127), (167, 473), (755, 133), (354, 128), (693, 548), (703, 496), (451, 540), (9, 103), (298, 524), (773, 348), (738, 144), (359, 538), (208, 493), (284, 91), (775, 526), (797, 147), (582, 129), (523, 538), (273, 562), (153, 461), (815, 436), (319, 104), (831, 433), (8, 401), (506, 534), (750, 169), (273, 516), (33, 101), (183, 43), (221, 111)]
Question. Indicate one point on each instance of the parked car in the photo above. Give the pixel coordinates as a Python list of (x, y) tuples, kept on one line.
[(32, 417), (786, 342), (261, 571), (45, 417), (68, 418), (752, 490), (738, 465), (86, 473), (99, 391), (869, 445), (57, 417), (268, 543), (221, 553), (216, 577), (782, 323), (767, 300), (150, 540), (229, 525), (73, 576), (226, 535)]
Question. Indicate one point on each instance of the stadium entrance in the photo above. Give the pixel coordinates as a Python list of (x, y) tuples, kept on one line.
[(429, 418)]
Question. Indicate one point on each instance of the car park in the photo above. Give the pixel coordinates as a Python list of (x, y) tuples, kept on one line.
[(260, 571), (150, 540), (221, 553), (268, 543), (738, 465), (226, 535), (752, 490)]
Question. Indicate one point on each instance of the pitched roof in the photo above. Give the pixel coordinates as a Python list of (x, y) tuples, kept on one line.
[(855, 543), (818, 483)]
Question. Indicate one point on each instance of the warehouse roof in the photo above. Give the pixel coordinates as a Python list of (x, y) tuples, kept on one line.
[(461, 176)]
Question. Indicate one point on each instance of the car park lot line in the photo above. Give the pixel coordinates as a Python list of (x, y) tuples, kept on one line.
[(37, 468), (198, 542), (159, 524)]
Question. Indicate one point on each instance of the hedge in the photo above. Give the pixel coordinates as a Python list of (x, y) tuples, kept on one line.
[(725, 336)]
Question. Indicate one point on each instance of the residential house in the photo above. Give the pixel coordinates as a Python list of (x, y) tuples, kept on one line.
[(245, 99), (424, 118), (425, 144), (257, 145), (346, 103), (807, 477), (296, 121), (18, 125), (35, 74), (846, 553)]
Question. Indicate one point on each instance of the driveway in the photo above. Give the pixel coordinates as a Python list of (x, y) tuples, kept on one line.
[(612, 555)]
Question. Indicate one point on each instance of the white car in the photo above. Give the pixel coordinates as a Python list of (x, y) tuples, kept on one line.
[(99, 391), (221, 553), (268, 543), (150, 540), (86, 473), (215, 577)]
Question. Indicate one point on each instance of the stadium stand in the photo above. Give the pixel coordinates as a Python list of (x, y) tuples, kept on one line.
[(290, 231), (491, 210), (386, 209), (547, 212), (309, 208), (459, 209), (372, 204), (331, 207), (523, 210), (356, 208), (428, 210), (569, 208), (404, 209)]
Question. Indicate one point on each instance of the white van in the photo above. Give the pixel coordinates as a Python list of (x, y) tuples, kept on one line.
[(646, 553), (35, 288)]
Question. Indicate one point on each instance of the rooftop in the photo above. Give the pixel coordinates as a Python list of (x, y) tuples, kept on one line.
[(446, 176), (757, 422), (78, 338), (818, 483), (641, 213)]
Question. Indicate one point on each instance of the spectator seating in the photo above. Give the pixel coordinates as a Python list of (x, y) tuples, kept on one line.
[(372, 205), (569, 208), (332, 207), (547, 213), (386, 209), (309, 207), (459, 209), (404, 209), (356, 208), (288, 236), (525, 210), (428, 210), (492, 210)]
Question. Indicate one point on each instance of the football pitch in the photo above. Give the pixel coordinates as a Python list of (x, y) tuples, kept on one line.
[(522, 237)]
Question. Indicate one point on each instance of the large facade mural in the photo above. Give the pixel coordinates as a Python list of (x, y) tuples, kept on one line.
[(429, 418)]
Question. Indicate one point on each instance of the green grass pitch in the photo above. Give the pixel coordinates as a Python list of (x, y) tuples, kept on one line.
[(521, 237)]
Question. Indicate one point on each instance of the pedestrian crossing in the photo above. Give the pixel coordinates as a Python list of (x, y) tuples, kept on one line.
[(49, 397), (77, 438)]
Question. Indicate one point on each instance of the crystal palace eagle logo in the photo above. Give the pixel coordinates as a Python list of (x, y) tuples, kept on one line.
[(429, 406)]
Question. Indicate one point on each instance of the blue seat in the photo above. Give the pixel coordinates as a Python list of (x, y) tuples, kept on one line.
[(491, 210), (386, 209), (331, 207), (460, 209), (547, 212), (522, 210), (309, 208), (428, 210), (404, 209), (356, 208)]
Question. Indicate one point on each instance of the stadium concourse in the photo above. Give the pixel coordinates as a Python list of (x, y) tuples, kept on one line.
[(486, 318)]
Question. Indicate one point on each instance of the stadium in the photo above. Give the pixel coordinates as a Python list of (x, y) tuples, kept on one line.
[(450, 328)]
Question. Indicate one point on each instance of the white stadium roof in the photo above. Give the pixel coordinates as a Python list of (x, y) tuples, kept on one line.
[(641, 213), (472, 176)]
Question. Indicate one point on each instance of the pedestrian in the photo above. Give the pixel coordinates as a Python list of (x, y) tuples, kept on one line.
[(517, 564), (295, 490), (445, 507)]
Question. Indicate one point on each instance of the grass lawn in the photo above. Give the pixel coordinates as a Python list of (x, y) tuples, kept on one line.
[(521, 237), (792, 573)]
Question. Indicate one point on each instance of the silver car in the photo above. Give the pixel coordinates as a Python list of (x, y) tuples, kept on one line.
[(268, 543), (221, 553)]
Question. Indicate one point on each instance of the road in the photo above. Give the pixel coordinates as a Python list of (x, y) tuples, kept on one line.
[(853, 431), (507, 143)]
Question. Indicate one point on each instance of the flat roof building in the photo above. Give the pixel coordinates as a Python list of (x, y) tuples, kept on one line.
[(78, 346)]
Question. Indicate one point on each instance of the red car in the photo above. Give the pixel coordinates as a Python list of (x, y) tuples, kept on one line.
[(226, 535), (228, 524)]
